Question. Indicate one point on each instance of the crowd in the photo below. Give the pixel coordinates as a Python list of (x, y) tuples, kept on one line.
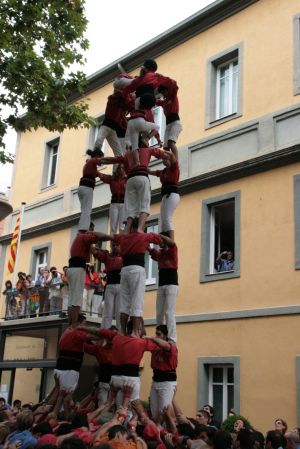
[(109, 426)]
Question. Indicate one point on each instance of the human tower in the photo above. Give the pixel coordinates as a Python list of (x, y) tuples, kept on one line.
[(128, 126)]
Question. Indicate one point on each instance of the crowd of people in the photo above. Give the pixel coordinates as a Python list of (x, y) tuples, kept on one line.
[(48, 293), (108, 426)]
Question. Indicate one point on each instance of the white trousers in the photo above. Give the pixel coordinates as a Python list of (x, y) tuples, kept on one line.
[(134, 127), (165, 308), (120, 381), (96, 305), (76, 277), (85, 195), (116, 217), (111, 306), (103, 391), (68, 379), (132, 290), (87, 300), (105, 132), (161, 395), (167, 208), (137, 196)]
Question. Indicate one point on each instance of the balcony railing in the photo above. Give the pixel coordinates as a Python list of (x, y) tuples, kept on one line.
[(37, 302)]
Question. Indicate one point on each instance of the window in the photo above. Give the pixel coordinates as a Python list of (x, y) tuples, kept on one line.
[(159, 119), (296, 55), (40, 257), (41, 260), (150, 264), (220, 233), (224, 86), (220, 389), (219, 384), (227, 89), (50, 164)]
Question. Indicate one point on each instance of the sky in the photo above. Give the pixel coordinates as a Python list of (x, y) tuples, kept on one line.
[(114, 29)]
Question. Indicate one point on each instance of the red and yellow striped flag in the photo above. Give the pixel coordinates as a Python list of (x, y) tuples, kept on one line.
[(14, 245)]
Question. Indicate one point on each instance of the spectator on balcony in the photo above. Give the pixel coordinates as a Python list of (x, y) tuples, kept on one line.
[(22, 287), (65, 288), (40, 282), (10, 300), (54, 282), (90, 283)]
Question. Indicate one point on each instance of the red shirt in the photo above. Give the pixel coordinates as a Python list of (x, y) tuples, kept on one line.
[(136, 242), (117, 108), (90, 168), (166, 257), (117, 185), (165, 360), (111, 262), (81, 246), (91, 280), (170, 104), (144, 155), (150, 79), (72, 340), (169, 175), (103, 354), (127, 350)]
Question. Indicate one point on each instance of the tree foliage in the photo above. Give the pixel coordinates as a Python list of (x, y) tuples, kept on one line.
[(40, 41)]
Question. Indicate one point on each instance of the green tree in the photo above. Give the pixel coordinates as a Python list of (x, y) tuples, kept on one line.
[(40, 41)]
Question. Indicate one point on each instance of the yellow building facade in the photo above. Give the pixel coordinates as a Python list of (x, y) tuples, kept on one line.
[(237, 64)]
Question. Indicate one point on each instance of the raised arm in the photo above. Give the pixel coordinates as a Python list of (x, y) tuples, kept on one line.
[(163, 344)]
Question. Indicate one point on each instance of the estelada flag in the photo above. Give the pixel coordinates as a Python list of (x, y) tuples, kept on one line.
[(14, 245)]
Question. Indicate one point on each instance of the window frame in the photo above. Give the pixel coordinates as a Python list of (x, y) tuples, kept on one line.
[(48, 164), (35, 250), (224, 384), (206, 238), (204, 364), (213, 63), (152, 221), (230, 64), (296, 53)]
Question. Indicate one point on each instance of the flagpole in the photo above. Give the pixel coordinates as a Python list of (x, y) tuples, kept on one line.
[(18, 245)]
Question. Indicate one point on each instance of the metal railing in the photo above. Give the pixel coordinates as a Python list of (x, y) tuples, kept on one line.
[(36, 302)]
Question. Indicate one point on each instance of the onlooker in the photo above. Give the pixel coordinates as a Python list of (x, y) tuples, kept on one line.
[(91, 281), (280, 425), (10, 300), (21, 286), (40, 282), (23, 433), (54, 282), (65, 288), (275, 440), (225, 261)]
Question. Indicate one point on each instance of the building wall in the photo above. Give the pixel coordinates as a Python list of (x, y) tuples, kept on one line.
[(265, 71), (267, 348)]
